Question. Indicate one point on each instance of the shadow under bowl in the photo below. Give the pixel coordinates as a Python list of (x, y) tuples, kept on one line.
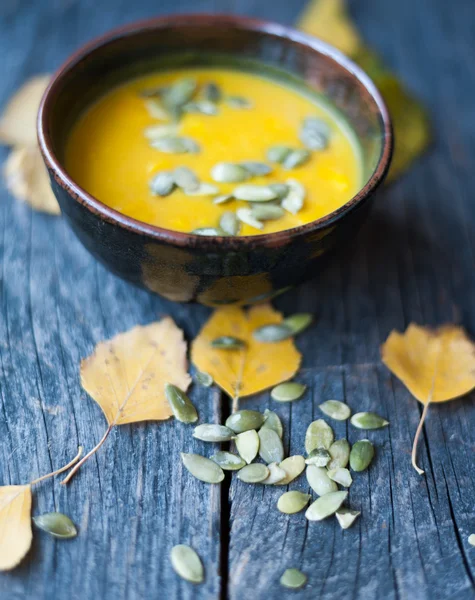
[(185, 267)]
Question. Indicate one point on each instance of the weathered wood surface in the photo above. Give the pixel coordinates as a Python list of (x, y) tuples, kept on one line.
[(413, 262)]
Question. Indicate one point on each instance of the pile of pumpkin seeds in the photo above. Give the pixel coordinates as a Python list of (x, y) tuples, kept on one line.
[(265, 202)]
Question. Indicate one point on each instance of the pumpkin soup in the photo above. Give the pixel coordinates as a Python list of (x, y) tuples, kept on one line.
[(215, 151)]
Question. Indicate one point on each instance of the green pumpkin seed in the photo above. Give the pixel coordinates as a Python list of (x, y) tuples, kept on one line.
[(245, 216), (319, 481), (254, 193), (202, 468), (255, 473), (272, 421), (361, 455), (243, 420), (276, 474), (212, 92), (156, 110), (294, 200), (162, 184), (471, 539), (208, 231), (238, 102), (204, 379), (223, 198), (288, 392), (229, 223), (336, 410), (228, 342), (293, 502), (319, 435), (186, 179), (182, 407), (278, 154), (314, 133), (320, 457), (158, 131), (325, 506), (293, 579), (187, 564), (298, 322), (280, 189), (296, 158), (267, 212), (270, 446), (341, 475), (225, 172), (210, 432), (175, 145), (368, 420), (346, 517), (228, 461), (274, 332), (202, 107), (204, 189), (179, 93), (293, 466), (256, 168), (56, 524), (340, 453), (247, 444)]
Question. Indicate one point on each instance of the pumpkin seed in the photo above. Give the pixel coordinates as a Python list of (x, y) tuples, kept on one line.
[(319, 481), (238, 102), (255, 473), (270, 446), (368, 420), (341, 476), (320, 457), (267, 212), (204, 189), (203, 107), (158, 131), (186, 563), (278, 154), (293, 502), (296, 158), (298, 322), (56, 524), (212, 92), (471, 539), (256, 168), (293, 579), (280, 189), (293, 466), (243, 420), (346, 517), (156, 110), (209, 231), (361, 455), (186, 179), (228, 342), (245, 216), (288, 392), (276, 474), (223, 198), (319, 435), (247, 444), (228, 461), (314, 133), (162, 184), (204, 378), (274, 332), (175, 145), (336, 410), (210, 432), (272, 421), (179, 93), (340, 453), (225, 172), (294, 200), (325, 506), (182, 407), (229, 223), (254, 193), (202, 468)]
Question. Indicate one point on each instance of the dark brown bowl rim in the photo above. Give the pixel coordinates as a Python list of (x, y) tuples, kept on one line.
[(179, 238)]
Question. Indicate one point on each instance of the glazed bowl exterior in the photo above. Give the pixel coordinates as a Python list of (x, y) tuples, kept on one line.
[(185, 267)]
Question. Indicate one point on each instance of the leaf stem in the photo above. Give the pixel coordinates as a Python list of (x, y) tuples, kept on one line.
[(416, 438), (71, 474), (57, 472)]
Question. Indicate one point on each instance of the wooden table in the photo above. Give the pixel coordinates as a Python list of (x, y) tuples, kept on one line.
[(414, 261)]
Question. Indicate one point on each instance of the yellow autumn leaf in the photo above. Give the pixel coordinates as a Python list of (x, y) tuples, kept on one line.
[(253, 368), (15, 524), (126, 375), (435, 365)]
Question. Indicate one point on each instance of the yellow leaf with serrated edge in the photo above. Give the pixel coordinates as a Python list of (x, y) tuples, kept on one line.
[(253, 368), (15, 524), (434, 364), (126, 375)]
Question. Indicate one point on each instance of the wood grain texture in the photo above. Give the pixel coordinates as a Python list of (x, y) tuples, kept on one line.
[(414, 261)]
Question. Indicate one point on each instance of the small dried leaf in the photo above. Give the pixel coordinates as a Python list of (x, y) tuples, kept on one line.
[(15, 524)]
